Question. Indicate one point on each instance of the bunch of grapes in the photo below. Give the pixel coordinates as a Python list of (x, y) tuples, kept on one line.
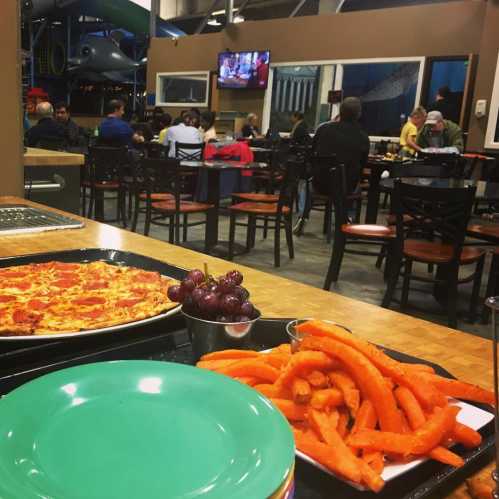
[(221, 300)]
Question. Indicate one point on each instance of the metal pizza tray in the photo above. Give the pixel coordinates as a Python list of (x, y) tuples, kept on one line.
[(111, 256)]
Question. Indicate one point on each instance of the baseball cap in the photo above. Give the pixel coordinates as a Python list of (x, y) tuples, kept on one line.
[(433, 118)]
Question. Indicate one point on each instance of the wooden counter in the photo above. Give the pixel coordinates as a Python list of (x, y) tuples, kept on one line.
[(466, 356), (43, 157)]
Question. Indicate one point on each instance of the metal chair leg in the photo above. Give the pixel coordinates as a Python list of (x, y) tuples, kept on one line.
[(277, 242), (405, 284), (289, 236), (232, 235)]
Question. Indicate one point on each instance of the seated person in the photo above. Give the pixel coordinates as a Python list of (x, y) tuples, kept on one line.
[(155, 121), (348, 142), (165, 122), (184, 133), (439, 133), (299, 133), (250, 129), (46, 128), (72, 130), (410, 132), (114, 131), (208, 126)]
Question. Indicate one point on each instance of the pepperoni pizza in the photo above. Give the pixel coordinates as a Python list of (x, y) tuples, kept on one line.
[(56, 297)]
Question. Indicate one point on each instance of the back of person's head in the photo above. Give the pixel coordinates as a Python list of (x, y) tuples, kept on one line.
[(114, 105), (444, 92), (196, 111), (251, 117), (44, 110), (298, 115), (188, 118), (207, 119), (350, 109), (418, 112), (158, 112), (165, 120)]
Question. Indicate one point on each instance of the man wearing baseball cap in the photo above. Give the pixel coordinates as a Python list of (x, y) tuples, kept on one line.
[(438, 132)]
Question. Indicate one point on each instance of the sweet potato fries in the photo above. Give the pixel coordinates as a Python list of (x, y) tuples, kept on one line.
[(352, 407)]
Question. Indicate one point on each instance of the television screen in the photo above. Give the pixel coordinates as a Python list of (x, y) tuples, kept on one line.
[(243, 69)]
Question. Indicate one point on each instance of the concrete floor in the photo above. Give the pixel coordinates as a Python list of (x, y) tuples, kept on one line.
[(359, 278)]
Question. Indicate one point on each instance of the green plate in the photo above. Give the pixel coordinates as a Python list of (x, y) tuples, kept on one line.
[(140, 430)]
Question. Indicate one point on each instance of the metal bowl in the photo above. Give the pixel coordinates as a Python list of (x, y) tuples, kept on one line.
[(211, 336)]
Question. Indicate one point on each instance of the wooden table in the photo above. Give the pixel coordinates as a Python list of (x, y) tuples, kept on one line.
[(43, 157), (466, 356)]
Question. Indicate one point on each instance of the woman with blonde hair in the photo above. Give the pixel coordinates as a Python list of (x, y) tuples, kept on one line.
[(408, 146), (250, 129)]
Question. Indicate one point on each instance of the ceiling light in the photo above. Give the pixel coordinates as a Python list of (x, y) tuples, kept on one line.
[(238, 19), (214, 22)]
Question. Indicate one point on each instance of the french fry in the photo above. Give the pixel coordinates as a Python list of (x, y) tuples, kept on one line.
[(478, 488), (292, 411), (248, 380), (301, 391), (217, 364), (285, 348), (302, 363), (446, 456), (370, 477), (428, 396), (272, 391), (251, 367), (317, 379), (419, 367), (323, 399), (332, 457), (465, 435), (347, 387), (277, 360), (375, 460), (230, 354), (343, 420), (365, 375), (366, 417), (373, 440), (460, 389), (410, 405)]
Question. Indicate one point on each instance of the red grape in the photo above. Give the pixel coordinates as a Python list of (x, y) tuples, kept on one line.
[(175, 293), (197, 294), (188, 285), (196, 275), (247, 309), (241, 293), (230, 304), (235, 276), (226, 285), (209, 303), (189, 306)]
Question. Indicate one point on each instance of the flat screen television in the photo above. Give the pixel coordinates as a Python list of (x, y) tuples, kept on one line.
[(248, 69)]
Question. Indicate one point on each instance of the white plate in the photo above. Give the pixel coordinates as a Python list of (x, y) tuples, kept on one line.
[(471, 416), (89, 332)]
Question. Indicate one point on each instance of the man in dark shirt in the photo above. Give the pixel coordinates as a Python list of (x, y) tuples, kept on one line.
[(47, 129), (299, 132), (446, 103), (72, 130), (114, 131), (346, 140)]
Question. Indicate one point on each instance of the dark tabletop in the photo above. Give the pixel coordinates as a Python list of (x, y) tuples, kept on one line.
[(224, 165), (485, 190)]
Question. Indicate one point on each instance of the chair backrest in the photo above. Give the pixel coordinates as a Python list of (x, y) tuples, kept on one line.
[(338, 183), (156, 150), (161, 175), (52, 143), (287, 189), (107, 162), (421, 170), (189, 152), (321, 173), (433, 213)]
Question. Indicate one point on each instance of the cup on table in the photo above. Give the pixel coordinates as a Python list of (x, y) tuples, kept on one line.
[(295, 337)]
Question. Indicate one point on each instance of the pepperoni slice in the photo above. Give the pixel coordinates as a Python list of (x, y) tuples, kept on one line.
[(65, 283), (91, 314), (90, 300), (128, 302), (95, 285), (38, 304), (23, 316), (23, 285), (12, 275), (7, 298), (146, 277)]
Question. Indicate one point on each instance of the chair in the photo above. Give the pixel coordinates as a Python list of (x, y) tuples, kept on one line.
[(279, 213), (435, 235), (105, 172), (189, 152), (162, 183), (348, 233), (52, 143), (156, 150)]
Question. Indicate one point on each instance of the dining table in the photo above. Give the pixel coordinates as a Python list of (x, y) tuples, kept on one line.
[(213, 170), (464, 355)]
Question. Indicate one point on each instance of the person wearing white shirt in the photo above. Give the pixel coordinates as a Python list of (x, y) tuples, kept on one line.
[(184, 133), (207, 129)]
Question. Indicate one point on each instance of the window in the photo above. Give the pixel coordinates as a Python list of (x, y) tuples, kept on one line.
[(388, 88), (182, 89), (492, 135)]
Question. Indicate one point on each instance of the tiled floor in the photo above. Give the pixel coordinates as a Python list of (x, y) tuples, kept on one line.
[(359, 278)]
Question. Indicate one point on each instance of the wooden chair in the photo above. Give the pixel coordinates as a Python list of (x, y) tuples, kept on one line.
[(105, 172), (279, 213), (162, 183), (435, 235), (347, 233)]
